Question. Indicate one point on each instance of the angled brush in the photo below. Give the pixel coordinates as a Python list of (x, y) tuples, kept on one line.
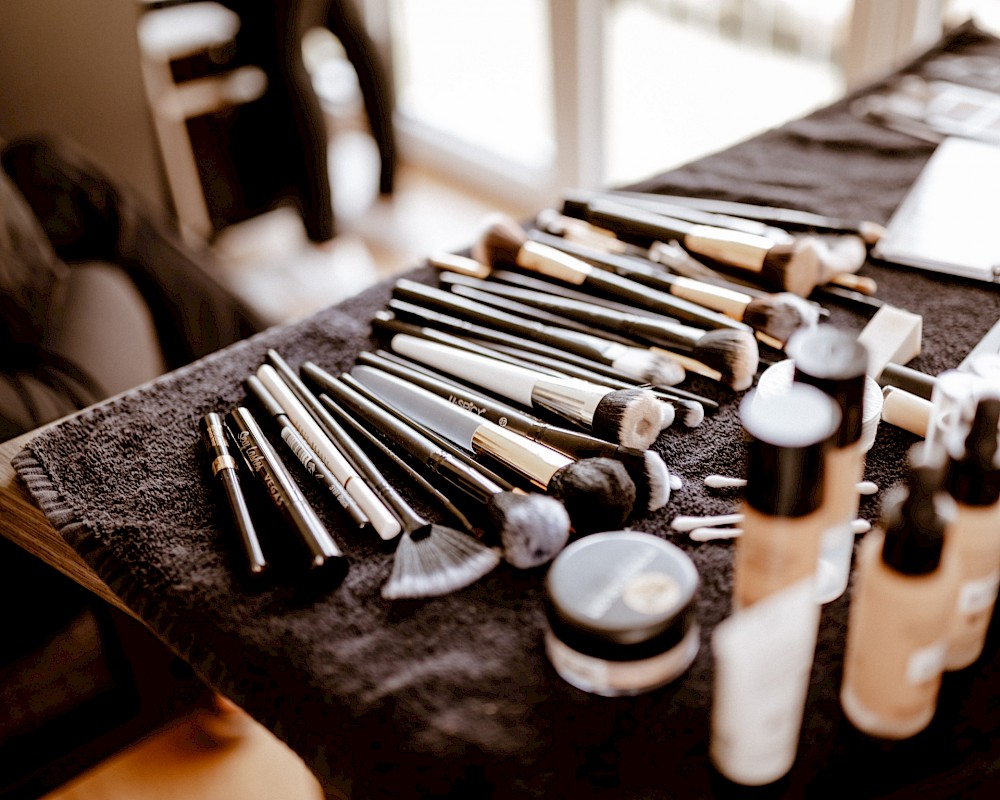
[(646, 468), (504, 245), (644, 363), (795, 267), (725, 355), (597, 492), (532, 527)]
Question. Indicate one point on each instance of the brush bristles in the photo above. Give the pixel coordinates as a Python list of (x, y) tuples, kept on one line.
[(436, 560), (631, 417), (648, 366), (598, 493), (500, 243), (795, 267), (691, 414), (533, 528), (651, 477), (732, 353), (780, 315)]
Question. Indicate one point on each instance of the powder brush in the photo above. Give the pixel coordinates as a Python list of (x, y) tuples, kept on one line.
[(674, 402), (652, 366), (631, 417), (504, 245), (795, 267), (597, 492), (725, 355), (531, 527), (646, 467), (776, 315)]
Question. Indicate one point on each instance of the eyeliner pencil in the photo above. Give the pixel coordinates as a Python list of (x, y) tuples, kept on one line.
[(279, 486), (225, 470), (312, 463)]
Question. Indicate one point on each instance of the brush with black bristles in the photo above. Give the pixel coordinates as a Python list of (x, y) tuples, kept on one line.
[(725, 355), (651, 366), (531, 527), (504, 244), (631, 417), (776, 315), (674, 403), (646, 467), (597, 492), (431, 559), (792, 267)]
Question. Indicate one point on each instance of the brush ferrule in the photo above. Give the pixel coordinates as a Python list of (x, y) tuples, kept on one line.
[(536, 462), (552, 263), (745, 250), (719, 298), (574, 399)]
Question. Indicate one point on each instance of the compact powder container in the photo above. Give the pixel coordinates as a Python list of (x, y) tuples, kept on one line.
[(620, 609)]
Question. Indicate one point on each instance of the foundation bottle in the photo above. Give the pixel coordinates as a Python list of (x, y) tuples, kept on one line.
[(784, 518), (834, 361), (973, 481), (900, 612)]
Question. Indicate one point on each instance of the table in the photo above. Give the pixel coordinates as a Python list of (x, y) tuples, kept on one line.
[(453, 697)]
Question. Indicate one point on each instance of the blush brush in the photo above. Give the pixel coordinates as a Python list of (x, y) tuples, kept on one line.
[(651, 366), (647, 469), (597, 492), (725, 355)]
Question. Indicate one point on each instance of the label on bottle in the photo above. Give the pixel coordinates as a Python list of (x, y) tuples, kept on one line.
[(759, 699), (926, 663), (979, 594)]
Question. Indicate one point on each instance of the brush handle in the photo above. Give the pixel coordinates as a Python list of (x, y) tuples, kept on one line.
[(572, 443), (383, 521), (719, 298), (438, 460), (588, 345)]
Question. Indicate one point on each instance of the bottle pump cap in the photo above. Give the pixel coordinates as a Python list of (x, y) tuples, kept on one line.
[(973, 476), (915, 522)]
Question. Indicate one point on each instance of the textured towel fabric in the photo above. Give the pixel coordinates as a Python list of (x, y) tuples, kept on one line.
[(453, 697)]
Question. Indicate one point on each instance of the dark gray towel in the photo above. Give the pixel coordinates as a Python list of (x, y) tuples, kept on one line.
[(453, 696)]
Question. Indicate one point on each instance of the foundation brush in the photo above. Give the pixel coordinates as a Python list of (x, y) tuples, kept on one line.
[(505, 245), (430, 559), (776, 315), (792, 267), (532, 527), (651, 366), (646, 467), (725, 355), (597, 492)]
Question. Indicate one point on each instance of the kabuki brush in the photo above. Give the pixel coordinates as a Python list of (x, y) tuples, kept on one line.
[(597, 492), (646, 467), (532, 527)]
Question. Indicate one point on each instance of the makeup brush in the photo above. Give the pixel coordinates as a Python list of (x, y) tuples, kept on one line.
[(597, 492), (629, 417), (793, 267), (646, 467), (777, 315), (725, 355), (674, 403), (644, 363), (532, 527), (505, 244), (430, 559)]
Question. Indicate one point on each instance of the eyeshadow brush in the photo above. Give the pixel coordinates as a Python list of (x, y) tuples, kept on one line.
[(775, 314), (631, 417), (646, 468), (724, 355), (597, 492), (792, 267), (430, 559), (532, 527), (432, 324), (644, 363), (504, 245)]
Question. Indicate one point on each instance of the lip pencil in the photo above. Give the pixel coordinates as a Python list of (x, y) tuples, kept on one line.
[(597, 492), (383, 521), (280, 488), (225, 469)]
